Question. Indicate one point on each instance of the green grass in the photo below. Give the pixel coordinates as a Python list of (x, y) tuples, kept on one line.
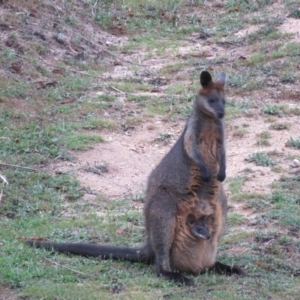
[(234, 219), (240, 132), (235, 184), (293, 143), (98, 123), (261, 159), (263, 138), (272, 109)]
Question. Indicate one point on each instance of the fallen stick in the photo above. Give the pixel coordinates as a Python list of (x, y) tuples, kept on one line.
[(18, 167)]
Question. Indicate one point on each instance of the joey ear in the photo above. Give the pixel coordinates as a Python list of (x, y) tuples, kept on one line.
[(205, 79), (221, 78), (206, 218), (190, 219)]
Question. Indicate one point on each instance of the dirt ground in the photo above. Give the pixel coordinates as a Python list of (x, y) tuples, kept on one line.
[(7, 294)]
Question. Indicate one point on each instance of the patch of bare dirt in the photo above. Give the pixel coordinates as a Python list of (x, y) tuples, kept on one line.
[(292, 26), (129, 159), (248, 30), (239, 149), (7, 294)]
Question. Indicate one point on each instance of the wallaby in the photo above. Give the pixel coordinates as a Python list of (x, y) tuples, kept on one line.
[(187, 177)]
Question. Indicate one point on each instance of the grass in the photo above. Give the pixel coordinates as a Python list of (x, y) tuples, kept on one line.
[(261, 159), (235, 184), (263, 138), (280, 126), (234, 219), (293, 143), (272, 109), (97, 123), (62, 85), (240, 132)]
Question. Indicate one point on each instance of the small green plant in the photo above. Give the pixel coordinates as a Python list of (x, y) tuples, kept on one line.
[(234, 219), (272, 109), (257, 59), (263, 138), (82, 141), (240, 132), (95, 123), (235, 184), (261, 159), (277, 169), (164, 138), (288, 78), (295, 111), (293, 143), (280, 126)]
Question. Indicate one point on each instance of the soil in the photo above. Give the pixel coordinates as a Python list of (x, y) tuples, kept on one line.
[(7, 294)]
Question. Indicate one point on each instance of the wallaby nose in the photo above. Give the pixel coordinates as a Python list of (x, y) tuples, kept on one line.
[(208, 237)]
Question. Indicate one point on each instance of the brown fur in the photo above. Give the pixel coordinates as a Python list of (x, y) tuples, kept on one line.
[(199, 254), (215, 86)]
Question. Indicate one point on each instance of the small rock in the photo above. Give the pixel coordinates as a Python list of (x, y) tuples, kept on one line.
[(296, 163)]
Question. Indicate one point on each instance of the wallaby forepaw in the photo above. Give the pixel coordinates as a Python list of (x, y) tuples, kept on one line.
[(205, 175), (205, 178), (221, 177)]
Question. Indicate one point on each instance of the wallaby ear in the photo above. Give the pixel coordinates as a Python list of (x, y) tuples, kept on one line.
[(205, 79), (190, 219), (221, 78)]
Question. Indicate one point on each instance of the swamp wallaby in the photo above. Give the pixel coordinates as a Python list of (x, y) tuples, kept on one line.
[(189, 175)]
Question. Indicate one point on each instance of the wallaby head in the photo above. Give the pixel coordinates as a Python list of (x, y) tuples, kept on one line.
[(198, 227), (211, 99)]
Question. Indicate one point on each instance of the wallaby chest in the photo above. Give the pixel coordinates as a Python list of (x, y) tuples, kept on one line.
[(209, 138)]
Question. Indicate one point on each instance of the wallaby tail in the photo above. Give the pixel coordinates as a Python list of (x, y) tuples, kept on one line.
[(143, 254)]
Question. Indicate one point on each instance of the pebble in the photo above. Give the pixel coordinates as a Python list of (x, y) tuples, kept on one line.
[(296, 163)]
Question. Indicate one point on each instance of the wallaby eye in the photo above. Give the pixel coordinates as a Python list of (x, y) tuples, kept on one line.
[(211, 100)]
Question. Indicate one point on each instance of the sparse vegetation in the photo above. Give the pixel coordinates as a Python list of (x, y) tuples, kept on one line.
[(234, 219), (240, 132), (272, 109), (235, 184), (293, 143), (72, 71), (280, 126), (263, 138), (261, 159)]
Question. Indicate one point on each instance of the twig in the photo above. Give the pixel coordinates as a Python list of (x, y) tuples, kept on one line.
[(18, 167), (111, 53), (117, 90), (3, 179), (5, 182), (94, 6), (81, 72), (68, 268)]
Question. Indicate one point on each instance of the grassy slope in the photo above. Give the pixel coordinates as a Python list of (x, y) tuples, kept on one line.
[(49, 107)]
